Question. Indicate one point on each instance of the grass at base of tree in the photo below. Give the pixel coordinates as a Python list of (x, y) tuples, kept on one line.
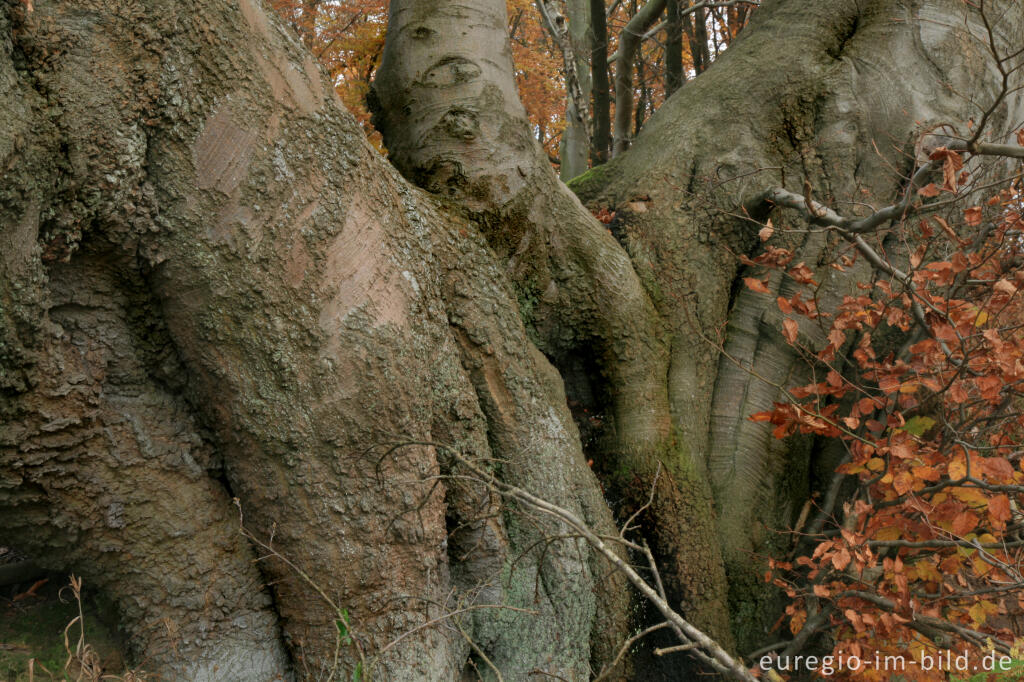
[(32, 628)]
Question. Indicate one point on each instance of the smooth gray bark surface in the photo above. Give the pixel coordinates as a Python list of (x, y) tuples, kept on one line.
[(807, 92), (575, 148)]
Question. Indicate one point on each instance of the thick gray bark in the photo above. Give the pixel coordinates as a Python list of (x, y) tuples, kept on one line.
[(230, 294), (808, 91), (103, 468), (211, 287)]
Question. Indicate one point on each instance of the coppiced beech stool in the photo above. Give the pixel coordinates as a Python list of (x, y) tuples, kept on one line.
[(212, 288)]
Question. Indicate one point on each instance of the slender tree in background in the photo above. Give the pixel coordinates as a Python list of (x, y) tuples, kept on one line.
[(674, 74), (571, 32), (216, 296), (625, 64), (601, 141), (347, 38)]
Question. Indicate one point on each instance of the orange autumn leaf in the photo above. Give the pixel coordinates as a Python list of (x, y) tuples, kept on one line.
[(964, 523), (789, 329), (972, 216), (903, 482), (755, 284), (999, 509), (841, 559)]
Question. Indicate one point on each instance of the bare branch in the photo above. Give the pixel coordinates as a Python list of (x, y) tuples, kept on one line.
[(989, 149), (674, 649), (819, 214), (607, 670), (713, 652)]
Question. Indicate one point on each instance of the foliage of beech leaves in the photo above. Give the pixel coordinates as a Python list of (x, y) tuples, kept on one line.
[(927, 551)]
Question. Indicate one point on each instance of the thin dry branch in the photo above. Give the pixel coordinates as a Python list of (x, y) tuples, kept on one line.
[(712, 651), (607, 670)]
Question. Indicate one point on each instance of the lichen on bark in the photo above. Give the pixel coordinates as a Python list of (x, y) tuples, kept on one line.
[(211, 287)]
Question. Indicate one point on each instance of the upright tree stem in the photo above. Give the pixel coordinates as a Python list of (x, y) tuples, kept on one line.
[(600, 142)]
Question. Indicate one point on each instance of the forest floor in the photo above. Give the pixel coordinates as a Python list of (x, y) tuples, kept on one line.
[(33, 620)]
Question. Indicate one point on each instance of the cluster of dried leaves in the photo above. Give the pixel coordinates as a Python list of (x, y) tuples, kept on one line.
[(922, 379)]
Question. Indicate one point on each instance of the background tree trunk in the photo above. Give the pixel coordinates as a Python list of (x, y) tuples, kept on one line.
[(575, 147), (601, 142), (629, 46), (674, 74)]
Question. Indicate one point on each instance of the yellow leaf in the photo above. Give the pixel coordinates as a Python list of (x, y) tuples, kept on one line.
[(903, 483), (978, 615), (796, 623), (888, 533), (972, 496), (957, 467), (927, 571)]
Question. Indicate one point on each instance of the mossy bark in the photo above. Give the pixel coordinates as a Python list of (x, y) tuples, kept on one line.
[(233, 295), (831, 93), (211, 287)]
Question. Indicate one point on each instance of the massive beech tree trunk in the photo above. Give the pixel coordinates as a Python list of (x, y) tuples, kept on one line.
[(833, 94), (211, 287), (456, 128)]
